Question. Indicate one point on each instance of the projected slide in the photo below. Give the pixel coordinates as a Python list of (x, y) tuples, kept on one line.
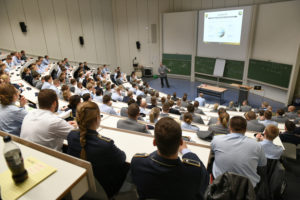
[(223, 26)]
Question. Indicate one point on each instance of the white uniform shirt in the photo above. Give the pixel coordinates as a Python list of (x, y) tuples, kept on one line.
[(45, 128)]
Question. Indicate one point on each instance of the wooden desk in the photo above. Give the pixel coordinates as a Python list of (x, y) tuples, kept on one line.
[(73, 177), (212, 91)]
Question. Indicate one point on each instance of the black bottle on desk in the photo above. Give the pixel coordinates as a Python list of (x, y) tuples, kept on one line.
[(14, 160)]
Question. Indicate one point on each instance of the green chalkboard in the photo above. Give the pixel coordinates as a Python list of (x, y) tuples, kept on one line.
[(178, 63), (270, 72), (233, 69), (205, 65)]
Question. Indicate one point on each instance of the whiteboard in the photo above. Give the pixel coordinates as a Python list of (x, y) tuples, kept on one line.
[(219, 67)]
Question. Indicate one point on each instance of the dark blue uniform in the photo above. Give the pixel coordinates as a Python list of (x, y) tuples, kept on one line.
[(161, 178), (108, 161)]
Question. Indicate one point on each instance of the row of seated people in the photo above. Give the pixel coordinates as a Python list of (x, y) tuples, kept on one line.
[(44, 127)]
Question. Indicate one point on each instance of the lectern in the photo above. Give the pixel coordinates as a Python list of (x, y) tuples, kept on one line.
[(243, 92)]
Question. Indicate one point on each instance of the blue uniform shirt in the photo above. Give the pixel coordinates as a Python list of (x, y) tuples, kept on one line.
[(271, 150), (201, 101), (239, 154)]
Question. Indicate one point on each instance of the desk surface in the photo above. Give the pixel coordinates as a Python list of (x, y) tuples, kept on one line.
[(58, 184), (212, 88)]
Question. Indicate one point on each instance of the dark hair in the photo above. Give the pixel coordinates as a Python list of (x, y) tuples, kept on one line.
[(99, 92), (261, 112), (130, 101), (290, 126), (167, 134), (166, 107), (46, 98), (190, 108), (238, 124), (221, 110), (280, 112), (7, 92), (268, 114), (73, 81), (47, 78), (133, 110), (153, 100), (251, 115), (196, 104), (106, 99), (188, 118), (74, 101), (86, 97)]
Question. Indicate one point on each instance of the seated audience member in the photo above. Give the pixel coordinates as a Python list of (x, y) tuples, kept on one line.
[(153, 103), (5, 78), (26, 75), (187, 122), (214, 120), (43, 126), (40, 83), (35, 78), (140, 91), (138, 100), (106, 106), (119, 80), (165, 110), (86, 143), (80, 77), (245, 107), (237, 153), (264, 106), (89, 89), (99, 96), (74, 101), (269, 108), (154, 115), (72, 85), (86, 97), (162, 101), (105, 69), (117, 96), (108, 90), (268, 119), (271, 150), (201, 100), (174, 97), (78, 89), (148, 97), (8, 63), (172, 110), (133, 78), (196, 118), (215, 108), (133, 88), (297, 119), (291, 114), (221, 127), (11, 116), (124, 110), (178, 105), (261, 115), (252, 122), (55, 87), (23, 55), (143, 107), (128, 97), (279, 116), (48, 82), (131, 122), (162, 171), (197, 109), (184, 101), (66, 94), (85, 66), (231, 106), (290, 136)]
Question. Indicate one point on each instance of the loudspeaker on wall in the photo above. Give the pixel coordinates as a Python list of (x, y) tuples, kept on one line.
[(23, 27), (138, 45), (81, 40)]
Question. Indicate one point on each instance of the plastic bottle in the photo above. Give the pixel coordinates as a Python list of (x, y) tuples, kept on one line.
[(14, 160)]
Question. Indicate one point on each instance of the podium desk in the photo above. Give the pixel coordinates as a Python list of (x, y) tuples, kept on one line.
[(212, 91)]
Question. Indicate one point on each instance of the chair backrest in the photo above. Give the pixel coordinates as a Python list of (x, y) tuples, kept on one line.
[(290, 150)]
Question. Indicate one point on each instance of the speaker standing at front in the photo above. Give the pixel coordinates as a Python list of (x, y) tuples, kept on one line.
[(162, 70)]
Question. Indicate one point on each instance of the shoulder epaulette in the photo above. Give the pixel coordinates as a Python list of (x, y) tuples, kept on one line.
[(191, 162), (104, 138), (141, 155)]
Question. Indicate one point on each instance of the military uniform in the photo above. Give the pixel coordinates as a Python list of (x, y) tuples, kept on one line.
[(108, 161), (161, 178)]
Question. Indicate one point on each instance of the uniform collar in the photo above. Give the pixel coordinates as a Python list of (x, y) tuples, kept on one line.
[(164, 161), (236, 135), (92, 132)]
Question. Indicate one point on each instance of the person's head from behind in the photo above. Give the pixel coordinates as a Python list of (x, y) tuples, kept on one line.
[(87, 117), (245, 102), (271, 132), (106, 99), (79, 85), (178, 103), (184, 98), (250, 115), (261, 114), (163, 100), (133, 111), (154, 114), (280, 112), (73, 81), (166, 107), (264, 104), (143, 103), (174, 94), (130, 101), (171, 103), (74, 100), (153, 101), (188, 118), (190, 108), (238, 124), (167, 137), (291, 109), (216, 106), (289, 126), (201, 95), (5, 78), (221, 110), (99, 92), (8, 94), (86, 97), (268, 115), (231, 104), (269, 108), (130, 94), (47, 100), (224, 119), (48, 79), (196, 104), (56, 82)]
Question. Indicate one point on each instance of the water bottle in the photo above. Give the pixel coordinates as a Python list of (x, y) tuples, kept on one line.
[(14, 160)]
